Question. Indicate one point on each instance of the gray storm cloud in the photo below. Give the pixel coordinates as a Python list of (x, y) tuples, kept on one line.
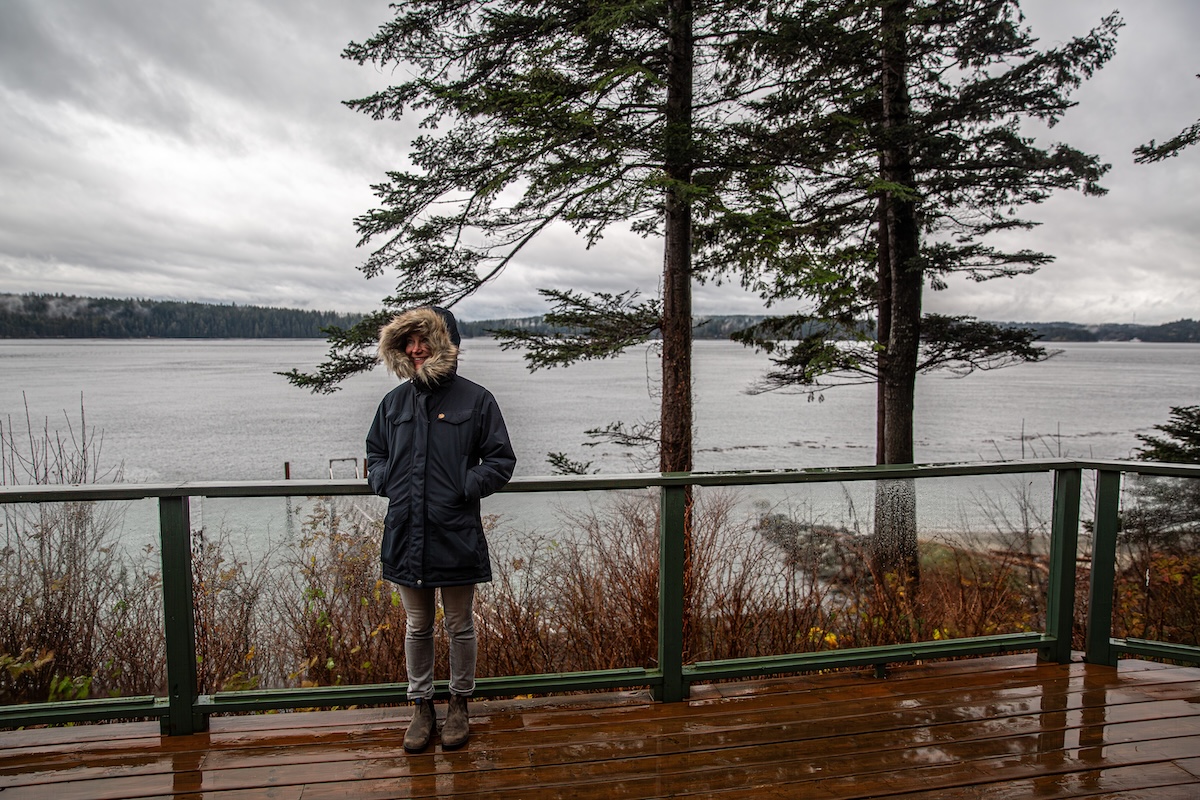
[(200, 151)]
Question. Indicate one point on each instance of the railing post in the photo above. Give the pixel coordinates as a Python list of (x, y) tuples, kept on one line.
[(174, 527), (672, 522), (1064, 544), (1104, 565)]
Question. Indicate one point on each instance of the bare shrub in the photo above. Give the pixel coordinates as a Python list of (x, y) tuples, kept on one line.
[(78, 615), (604, 581), (978, 593), (231, 616), (341, 623), (513, 613), (590, 601)]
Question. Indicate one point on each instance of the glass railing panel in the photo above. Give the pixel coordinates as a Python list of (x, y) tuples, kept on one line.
[(288, 593), (985, 554), (821, 566), (1157, 577), (81, 609), (766, 569), (575, 582)]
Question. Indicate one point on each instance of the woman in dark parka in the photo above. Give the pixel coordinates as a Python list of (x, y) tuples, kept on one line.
[(437, 445)]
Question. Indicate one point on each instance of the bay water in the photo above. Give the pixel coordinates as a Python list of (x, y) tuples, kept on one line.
[(215, 410)]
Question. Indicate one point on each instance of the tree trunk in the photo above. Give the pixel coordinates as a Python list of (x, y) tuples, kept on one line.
[(883, 324), (675, 453), (675, 450), (894, 549), (903, 243)]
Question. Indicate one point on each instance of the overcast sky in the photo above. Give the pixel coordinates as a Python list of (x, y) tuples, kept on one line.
[(199, 151)]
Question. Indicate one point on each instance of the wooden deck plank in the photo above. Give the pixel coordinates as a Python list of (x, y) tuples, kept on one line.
[(778, 721), (1162, 780), (295, 755), (998, 727), (601, 733)]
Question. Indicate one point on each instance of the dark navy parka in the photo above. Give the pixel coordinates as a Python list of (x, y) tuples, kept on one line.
[(437, 445)]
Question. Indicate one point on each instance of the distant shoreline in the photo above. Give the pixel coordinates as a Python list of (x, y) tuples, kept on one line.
[(56, 316)]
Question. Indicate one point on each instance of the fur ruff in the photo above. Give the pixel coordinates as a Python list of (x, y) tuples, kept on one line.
[(443, 359)]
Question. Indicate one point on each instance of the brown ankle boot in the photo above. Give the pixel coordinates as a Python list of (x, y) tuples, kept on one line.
[(457, 727), (420, 730)]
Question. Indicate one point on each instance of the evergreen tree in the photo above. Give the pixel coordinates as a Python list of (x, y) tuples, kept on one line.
[(1180, 443), (547, 111), (542, 112), (912, 154), (845, 152), (1165, 513), (912, 158)]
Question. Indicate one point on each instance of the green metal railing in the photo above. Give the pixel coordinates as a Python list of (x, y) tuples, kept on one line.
[(185, 711)]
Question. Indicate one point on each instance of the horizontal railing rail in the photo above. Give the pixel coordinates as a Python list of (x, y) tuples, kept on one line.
[(184, 710)]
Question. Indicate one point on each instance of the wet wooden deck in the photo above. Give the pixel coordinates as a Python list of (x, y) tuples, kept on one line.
[(997, 728)]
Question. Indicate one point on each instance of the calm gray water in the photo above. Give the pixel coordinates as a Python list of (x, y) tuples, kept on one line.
[(174, 410), (213, 410)]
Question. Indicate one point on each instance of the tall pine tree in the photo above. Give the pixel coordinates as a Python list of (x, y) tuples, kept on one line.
[(914, 155), (895, 179), (545, 112)]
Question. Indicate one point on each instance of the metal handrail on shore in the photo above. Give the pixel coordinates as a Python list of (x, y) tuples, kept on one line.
[(185, 711)]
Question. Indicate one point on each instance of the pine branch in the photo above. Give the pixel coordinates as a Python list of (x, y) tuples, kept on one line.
[(588, 327)]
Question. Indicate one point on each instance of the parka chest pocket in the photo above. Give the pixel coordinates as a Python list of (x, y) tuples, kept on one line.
[(400, 416), (401, 436), (455, 424)]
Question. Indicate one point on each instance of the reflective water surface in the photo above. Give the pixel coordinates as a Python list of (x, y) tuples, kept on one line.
[(176, 410)]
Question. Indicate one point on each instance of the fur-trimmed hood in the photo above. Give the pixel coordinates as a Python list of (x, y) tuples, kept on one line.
[(438, 327)]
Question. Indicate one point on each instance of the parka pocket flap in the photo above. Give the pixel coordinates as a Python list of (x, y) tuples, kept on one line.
[(400, 416), (455, 417), (397, 515)]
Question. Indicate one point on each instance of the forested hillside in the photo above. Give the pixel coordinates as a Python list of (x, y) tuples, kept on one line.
[(721, 326), (43, 316), (711, 327), (1184, 330)]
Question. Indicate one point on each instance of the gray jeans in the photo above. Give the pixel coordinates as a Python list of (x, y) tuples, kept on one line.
[(420, 606)]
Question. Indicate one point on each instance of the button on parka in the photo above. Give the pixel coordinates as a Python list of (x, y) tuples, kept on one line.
[(437, 445)]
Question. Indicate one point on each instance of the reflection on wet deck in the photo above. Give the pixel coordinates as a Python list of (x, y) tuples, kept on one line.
[(996, 727)]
